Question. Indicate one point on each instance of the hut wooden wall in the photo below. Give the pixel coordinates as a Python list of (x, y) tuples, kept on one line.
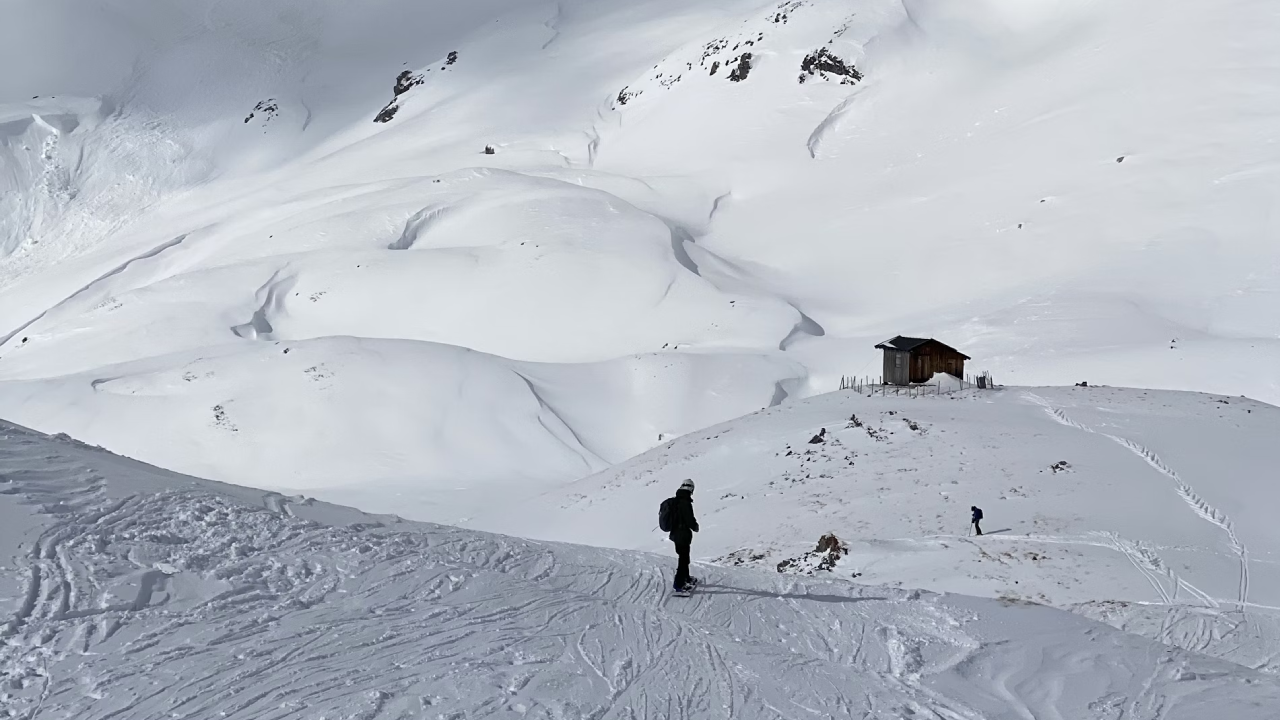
[(933, 357), (897, 367)]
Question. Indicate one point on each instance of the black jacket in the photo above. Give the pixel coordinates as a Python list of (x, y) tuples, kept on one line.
[(683, 523)]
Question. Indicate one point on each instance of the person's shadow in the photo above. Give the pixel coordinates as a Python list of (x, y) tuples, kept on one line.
[(724, 590), (997, 532)]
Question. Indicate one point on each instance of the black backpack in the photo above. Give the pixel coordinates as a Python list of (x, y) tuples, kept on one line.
[(664, 515)]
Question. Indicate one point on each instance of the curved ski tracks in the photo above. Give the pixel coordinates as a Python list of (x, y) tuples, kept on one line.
[(1194, 501), (186, 601), (291, 618)]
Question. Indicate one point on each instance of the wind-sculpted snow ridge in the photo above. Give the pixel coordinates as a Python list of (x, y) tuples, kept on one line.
[(136, 594), (427, 430)]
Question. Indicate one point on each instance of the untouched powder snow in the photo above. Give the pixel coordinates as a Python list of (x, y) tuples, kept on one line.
[(1151, 510), (418, 420), (638, 196), (132, 592)]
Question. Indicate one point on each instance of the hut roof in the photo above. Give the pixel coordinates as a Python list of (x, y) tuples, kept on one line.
[(907, 344)]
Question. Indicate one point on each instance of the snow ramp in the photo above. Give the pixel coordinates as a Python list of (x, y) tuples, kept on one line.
[(130, 592)]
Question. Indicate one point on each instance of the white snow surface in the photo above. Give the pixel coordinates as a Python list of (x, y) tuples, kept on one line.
[(131, 592), (212, 259), (1149, 510), (1066, 191)]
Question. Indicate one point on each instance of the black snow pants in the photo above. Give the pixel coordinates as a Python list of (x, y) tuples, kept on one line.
[(682, 567), (976, 527)]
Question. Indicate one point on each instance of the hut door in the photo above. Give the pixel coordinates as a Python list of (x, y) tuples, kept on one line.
[(920, 368)]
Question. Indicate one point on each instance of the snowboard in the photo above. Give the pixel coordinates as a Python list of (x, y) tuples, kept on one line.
[(688, 590)]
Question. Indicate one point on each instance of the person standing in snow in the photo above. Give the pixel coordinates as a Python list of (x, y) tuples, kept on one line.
[(977, 518), (683, 525)]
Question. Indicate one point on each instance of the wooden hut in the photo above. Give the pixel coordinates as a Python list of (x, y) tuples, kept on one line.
[(915, 360)]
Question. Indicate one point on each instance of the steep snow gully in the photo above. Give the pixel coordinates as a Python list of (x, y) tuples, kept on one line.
[(138, 593)]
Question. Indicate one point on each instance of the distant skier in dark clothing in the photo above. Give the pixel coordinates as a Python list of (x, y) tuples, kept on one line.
[(977, 518), (676, 516)]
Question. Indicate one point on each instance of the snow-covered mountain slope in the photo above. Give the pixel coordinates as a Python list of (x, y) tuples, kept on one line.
[(1153, 510), (751, 192), (382, 418), (131, 592)]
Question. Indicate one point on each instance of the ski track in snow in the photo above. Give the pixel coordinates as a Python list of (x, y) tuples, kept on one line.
[(105, 577), (1194, 501), (186, 600), (1201, 508), (1143, 557)]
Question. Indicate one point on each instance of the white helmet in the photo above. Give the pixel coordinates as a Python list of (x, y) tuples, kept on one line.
[(687, 485)]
